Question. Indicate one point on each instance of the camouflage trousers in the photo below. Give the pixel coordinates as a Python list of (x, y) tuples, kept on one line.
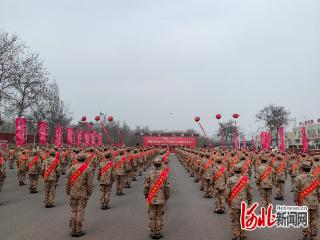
[(49, 192), (312, 230), (219, 199), (11, 163), (280, 189), (266, 195), (128, 179), (207, 188), (1, 184), (120, 183), (77, 214), (22, 176), (293, 182), (33, 178), (237, 232), (140, 169), (156, 217), (105, 191), (63, 168), (134, 173)]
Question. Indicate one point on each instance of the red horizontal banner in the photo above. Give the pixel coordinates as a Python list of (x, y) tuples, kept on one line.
[(173, 141)]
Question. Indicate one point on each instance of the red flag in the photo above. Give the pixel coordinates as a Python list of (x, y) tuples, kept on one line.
[(70, 136), (43, 132), (87, 139), (78, 137), (58, 136), (21, 131), (304, 139), (282, 144), (100, 141)]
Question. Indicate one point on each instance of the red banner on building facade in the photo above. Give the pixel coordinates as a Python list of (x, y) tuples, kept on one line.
[(87, 139), (100, 140), (21, 131), (173, 141)]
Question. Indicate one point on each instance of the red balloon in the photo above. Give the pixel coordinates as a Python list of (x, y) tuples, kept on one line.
[(197, 118), (84, 118), (110, 118), (97, 118), (218, 116), (235, 115)]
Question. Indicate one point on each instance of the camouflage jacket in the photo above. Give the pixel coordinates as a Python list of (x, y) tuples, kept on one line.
[(46, 165), (83, 186), (107, 177), (244, 195), (267, 181), (302, 182), (163, 194), (36, 167), (219, 183)]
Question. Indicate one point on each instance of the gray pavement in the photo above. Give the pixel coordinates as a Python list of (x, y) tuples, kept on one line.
[(189, 216)]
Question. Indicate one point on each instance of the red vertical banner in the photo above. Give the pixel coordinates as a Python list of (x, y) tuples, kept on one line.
[(58, 136), (86, 138), (92, 138), (21, 131), (100, 140), (43, 132), (78, 137), (282, 144), (70, 136), (304, 139), (236, 138)]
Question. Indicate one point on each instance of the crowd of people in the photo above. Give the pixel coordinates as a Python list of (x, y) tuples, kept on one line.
[(110, 165), (225, 175)]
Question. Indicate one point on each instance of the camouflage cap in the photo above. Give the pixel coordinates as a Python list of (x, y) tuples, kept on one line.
[(306, 165), (316, 157), (157, 161), (52, 153), (219, 160), (81, 157), (107, 155), (243, 157), (238, 168)]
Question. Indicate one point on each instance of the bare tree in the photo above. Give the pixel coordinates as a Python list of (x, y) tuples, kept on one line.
[(274, 117), (10, 48), (29, 83)]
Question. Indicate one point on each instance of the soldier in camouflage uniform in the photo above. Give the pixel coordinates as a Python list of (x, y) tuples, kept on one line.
[(311, 199), (134, 162), (235, 205), (50, 172), (218, 181), (119, 173), (294, 169), (34, 170), (106, 178), (12, 157), (79, 189), (279, 177), (128, 169), (157, 205), (264, 181), (22, 168), (2, 170)]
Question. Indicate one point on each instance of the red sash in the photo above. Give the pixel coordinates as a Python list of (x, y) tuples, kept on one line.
[(265, 174), (34, 160), (219, 173), (207, 165), (90, 158), (225, 158), (281, 167), (45, 156), (165, 158), (296, 164), (120, 162), (235, 160), (308, 190), (274, 161), (105, 168), (22, 159), (73, 178), (158, 184), (246, 166), (235, 191), (316, 171), (75, 162), (1, 160), (51, 167)]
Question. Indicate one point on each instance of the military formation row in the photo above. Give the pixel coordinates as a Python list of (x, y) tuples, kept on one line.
[(225, 175)]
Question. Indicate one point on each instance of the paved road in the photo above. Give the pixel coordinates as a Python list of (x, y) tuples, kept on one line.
[(189, 216)]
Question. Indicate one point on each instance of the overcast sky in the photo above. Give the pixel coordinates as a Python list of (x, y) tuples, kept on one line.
[(139, 60)]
